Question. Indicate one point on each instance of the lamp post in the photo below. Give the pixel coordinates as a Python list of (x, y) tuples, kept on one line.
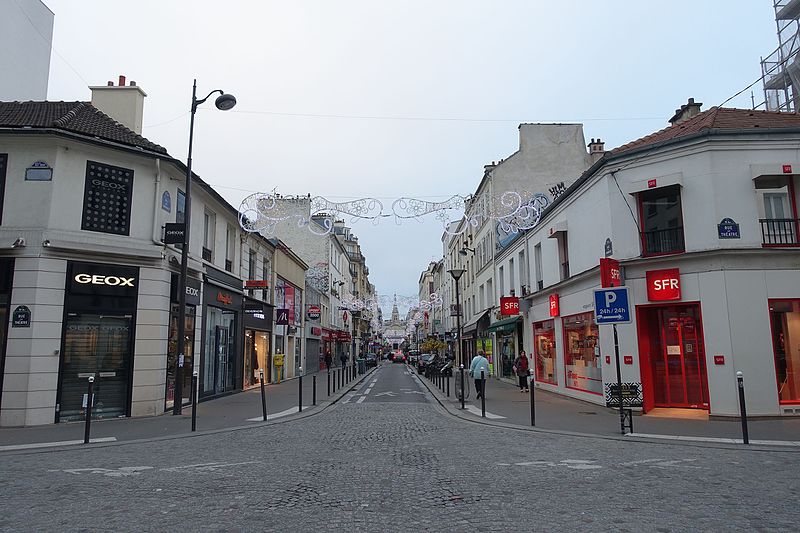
[(456, 273), (223, 102)]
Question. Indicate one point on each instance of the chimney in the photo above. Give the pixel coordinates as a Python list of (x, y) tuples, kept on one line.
[(125, 104), (687, 111), (596, 150)]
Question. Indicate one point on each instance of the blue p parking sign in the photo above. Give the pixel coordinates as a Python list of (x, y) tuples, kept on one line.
[(612, 306)]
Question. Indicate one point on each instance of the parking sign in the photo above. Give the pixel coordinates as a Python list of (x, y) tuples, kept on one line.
[(612, 306)]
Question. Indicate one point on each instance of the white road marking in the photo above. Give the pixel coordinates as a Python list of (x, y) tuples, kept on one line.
[(125, 471), (33, 445), (361, 399), (714, 439), (387, 393), (413, 392), (475, 411), (271, 416), (206, 467), (573, 464)]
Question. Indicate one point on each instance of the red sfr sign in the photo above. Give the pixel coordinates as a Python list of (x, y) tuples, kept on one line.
[(509, 305), (554, 305), (609, 273), (664, 285)]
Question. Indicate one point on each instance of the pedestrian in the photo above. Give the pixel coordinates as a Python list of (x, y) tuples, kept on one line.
[(479, 363), (522, 370), (343, 359), (328, 359)]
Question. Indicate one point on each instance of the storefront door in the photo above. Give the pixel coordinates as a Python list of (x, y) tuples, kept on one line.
[(673, 357), (99, 346)]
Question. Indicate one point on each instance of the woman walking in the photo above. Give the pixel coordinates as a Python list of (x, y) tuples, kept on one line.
[(522, 370)]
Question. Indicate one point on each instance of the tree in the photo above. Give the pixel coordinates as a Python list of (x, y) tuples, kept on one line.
[(433, 346)]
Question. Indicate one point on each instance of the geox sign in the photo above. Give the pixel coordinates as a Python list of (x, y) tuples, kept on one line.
[(96, 278), (113, 281)]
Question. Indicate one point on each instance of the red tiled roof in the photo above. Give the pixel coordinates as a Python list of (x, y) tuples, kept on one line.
[(76, 117), (718, 118)]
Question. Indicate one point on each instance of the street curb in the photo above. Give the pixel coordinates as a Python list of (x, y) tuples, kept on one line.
[(313, 411), (457, 413)]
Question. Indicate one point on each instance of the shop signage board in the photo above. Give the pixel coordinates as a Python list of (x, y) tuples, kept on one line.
[(174, 232), (282, 317), (509, 305), (610, 274), (663, 285), (256, 284), (253, 307), (612, 305), (314, 312), (728, 229), (631, 395), (554, 311), (21, 317)]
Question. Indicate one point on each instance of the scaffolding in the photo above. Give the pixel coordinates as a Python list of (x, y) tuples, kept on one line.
[(780, 71)]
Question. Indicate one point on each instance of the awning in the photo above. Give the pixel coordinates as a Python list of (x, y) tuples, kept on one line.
[(472, 325), (507, 324)]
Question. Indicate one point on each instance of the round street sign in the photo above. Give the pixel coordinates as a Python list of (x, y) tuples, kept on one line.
[(314, 312)]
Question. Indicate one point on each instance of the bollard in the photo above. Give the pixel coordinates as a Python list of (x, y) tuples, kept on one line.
[(532, 388), (89, 401), (448, 386), (194, 400), (300, 391), (483, 394), (329, 380), (263, 395), (463, 392), (314, 389), (742, 407)]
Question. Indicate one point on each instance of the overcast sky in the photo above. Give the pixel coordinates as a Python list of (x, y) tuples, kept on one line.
[(445, 82)]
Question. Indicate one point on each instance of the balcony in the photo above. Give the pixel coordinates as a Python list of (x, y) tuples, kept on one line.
[(779, 231), (665, 241), (206, 254)]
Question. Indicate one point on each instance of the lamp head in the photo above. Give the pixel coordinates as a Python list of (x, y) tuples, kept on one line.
[(225, 102), (463, 251)]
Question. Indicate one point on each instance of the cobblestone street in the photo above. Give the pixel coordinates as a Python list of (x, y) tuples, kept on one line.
[(389, 463)]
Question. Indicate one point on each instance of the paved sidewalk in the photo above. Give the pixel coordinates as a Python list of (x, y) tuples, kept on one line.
[(235, 410), (504, 403)]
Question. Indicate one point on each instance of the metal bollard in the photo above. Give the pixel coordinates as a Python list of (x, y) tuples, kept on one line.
[(314, 389), (89, 400), (463, 392), (300, 391), (448, 385), (263, 394), (329, 381), (194, 400), (532, 388), (483, 394), (742, 407)]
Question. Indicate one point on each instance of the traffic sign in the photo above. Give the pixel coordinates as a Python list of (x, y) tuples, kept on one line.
[(612, 305)]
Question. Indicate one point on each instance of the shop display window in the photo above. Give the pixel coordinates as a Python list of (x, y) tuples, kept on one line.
[(172, 354), (544, 346), (785, 320), (256, 348), (582, 353)]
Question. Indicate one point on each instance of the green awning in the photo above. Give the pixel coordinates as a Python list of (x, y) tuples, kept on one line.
[(507, 324)]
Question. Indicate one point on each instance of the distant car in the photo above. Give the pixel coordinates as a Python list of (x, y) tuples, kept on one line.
[(371, 360), (413, 357), (399, 358), (423, 361)]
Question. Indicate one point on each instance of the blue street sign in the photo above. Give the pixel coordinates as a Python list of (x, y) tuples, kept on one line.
[(612, 306)]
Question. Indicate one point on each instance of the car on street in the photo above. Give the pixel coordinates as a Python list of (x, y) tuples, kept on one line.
[(413, 357), (423, 361), (371, 360), (399, 358)]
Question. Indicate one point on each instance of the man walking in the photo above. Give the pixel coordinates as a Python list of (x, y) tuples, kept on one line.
[(479, 364)]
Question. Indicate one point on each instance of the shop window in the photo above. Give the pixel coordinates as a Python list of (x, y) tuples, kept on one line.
[(785, 320), (777, 208), (581, 353), (256, 351), (172, 354), (661, 221), (107, 195), (544, 347)]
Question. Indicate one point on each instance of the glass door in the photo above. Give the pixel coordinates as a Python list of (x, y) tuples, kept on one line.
[(679, 372), (99, 346)]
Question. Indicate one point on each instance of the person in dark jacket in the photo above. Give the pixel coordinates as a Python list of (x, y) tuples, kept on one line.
[(522, 370)]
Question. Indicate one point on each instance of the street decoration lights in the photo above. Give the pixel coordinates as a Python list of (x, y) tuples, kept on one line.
[(224, 102), (456, 274)]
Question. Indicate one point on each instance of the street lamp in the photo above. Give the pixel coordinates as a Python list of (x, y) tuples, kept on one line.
[(223, 102), (456, 273)]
